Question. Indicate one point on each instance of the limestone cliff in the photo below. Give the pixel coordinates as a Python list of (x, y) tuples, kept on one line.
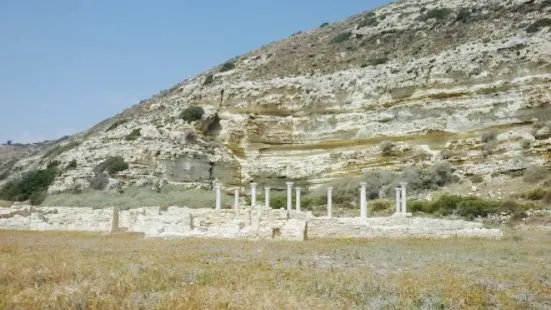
[(431, 76)]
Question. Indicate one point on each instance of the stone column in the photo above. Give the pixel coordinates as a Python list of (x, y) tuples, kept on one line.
[(330, 202), (404, 198), (398, 203), (218, 188), (253, 195), (363, 203), (298, 198), (236, 200), (289, 196), (267, 197)]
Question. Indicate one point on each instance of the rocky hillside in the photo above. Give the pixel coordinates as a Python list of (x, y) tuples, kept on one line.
[(464, 81)]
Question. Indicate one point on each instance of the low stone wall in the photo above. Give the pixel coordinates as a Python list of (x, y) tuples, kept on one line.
[(261, 224)]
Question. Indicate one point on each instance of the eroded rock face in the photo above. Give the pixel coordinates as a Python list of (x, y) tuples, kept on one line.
[(431, 76)]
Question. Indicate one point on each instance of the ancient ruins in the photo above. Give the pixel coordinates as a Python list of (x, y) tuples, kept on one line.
[(257, 221)]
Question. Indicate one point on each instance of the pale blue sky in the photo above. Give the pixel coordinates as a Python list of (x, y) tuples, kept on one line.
[(65, 65)]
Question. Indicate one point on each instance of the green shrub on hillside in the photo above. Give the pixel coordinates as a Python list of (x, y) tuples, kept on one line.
[(341, 37), (192, 114), (208, 80), (539, 24), (135, 134), (111, 165), (438, 14), (227, 66), (32, 185), (535, 174), (116, 124), (324, 25)]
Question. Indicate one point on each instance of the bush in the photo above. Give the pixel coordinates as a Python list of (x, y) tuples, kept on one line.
[(208, 80), (525, 144), (535, 174), (375, 62), (438, 14), (539, 24), (99, 181), (368, 21), (227, 66), (30, 184), (72, 164), (535, 194), (341, 37), (37, 197), (192, 114), (488, 136), (477, 178), (324, 25), (60, 149), (116, 124), (112, 165), (386, 148), (464, 16), (135, 134), (431, 178)]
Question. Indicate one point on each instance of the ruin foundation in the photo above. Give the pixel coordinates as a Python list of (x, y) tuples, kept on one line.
[(251, 224)]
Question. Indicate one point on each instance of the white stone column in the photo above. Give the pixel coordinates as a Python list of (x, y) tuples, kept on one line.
[(289, 196), (298, 198), (236, 200), (404, 198), (398, 203), (363, 203), (330, 202), (253, 195), (114, 219), (267, 197), (218, 188)]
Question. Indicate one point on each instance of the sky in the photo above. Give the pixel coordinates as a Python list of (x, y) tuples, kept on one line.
[(66, 65)]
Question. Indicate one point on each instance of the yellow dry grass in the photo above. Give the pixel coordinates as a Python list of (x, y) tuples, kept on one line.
[(93, 271)]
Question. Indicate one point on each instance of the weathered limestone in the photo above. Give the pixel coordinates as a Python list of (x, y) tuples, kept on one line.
[(218, 189), (404, 198), (363, 203), (253, 195), (267, 197), (236, 201), (289, 196), (330, 202), (298, 189)]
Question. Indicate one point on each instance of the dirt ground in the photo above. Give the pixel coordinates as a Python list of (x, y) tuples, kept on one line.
[(124, 271)]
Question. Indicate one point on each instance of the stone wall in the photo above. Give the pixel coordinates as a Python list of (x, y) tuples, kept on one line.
[(259, 224)]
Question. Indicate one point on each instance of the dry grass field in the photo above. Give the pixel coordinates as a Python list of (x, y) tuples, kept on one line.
[(125, 271)]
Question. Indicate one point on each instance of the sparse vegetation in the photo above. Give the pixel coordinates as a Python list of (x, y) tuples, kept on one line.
[(488, 136), (98, 182), (535, 174), (135, 197), (72, 164), (116, 124), (54, 270), (387, 148), (464, 16), (538, 25), (227, 66), (370, 20), (192, 114), (375, 62), (60, 149), (135, 134), (341, 37), (470, 207), (476, 179), (525, 144), (208, 79), (32, 185), (438, 14), (111, 165)]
